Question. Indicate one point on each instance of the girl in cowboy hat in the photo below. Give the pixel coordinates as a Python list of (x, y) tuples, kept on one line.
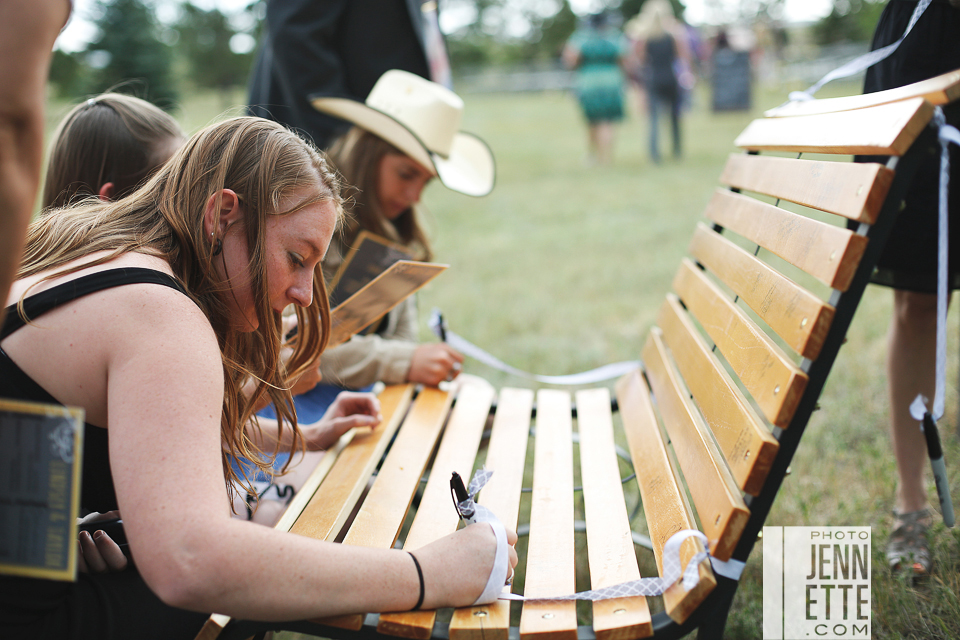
[(406, 134), (149, 313)]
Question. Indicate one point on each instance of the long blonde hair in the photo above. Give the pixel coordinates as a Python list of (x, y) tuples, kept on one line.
[(263, 163), (357, 155)]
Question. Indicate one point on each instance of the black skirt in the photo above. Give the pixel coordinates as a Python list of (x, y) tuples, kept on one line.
[(909, 260)]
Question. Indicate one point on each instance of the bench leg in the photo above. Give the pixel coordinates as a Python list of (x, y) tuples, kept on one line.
[(713, 624)]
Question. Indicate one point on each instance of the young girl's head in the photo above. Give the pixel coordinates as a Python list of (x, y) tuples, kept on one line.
[(386, 185), (227, 212), (107, 146), (407, 131)]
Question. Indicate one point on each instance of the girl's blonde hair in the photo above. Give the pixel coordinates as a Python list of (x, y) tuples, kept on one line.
[(263, 163), (110, 138), (357, 155)]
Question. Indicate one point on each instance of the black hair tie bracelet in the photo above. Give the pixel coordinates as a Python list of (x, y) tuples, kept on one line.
[(419, 575)]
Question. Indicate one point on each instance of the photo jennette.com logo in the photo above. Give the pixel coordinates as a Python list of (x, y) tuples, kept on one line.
[(816, 583)]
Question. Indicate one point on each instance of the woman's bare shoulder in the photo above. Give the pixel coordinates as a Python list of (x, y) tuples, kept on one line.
[(72, 270)]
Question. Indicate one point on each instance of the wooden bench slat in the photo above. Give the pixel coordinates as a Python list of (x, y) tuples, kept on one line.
[(550, 567), (665, 504), (853, 190), (611, 555), (799, 317), (506, 456), (436, 516), (381, 515), (720, 507), (331, 505), (773, 380), (886, 130), (744, 439), (825, 251), (938, 90)]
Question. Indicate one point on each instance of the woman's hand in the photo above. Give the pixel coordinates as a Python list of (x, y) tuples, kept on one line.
[(456, 567), (433, 363), (98, 552), (349, 410)]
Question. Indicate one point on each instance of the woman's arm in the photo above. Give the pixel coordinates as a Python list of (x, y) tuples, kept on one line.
[(165, 394), (363, 360), (350, 409), (28, 29)]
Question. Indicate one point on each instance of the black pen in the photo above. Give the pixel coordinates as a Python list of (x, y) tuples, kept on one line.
[(459, 493), (935, 451), (443, 338)]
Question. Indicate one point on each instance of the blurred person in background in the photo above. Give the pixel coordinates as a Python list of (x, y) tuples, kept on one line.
[(341, 48), (597, 52), (660, 54)]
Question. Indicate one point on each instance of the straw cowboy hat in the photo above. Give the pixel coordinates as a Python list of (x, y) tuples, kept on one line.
[(421, 119)]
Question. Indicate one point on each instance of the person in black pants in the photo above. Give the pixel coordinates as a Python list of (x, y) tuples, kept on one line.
[(335, 48)]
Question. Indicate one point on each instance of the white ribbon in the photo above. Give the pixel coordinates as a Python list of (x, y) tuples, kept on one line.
[(672, 564), (867, 60), (945, 134), (465, 347)]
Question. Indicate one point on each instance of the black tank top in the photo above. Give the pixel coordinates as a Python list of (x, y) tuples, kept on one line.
[(97, 491)]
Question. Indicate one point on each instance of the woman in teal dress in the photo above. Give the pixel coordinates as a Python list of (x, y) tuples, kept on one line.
[(597, 53)]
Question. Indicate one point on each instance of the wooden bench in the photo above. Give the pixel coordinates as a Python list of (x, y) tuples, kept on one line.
[(732, 372)]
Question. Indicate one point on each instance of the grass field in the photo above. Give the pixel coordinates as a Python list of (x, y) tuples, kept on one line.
[(562, 268)]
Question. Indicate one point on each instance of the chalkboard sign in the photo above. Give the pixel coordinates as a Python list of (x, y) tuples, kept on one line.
[(731, 80), (375, 300), (40, 453), (369, 256)]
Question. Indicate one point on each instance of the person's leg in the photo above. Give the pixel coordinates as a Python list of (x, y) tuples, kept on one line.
[(593, 137), (910, 371), (605, 134), (675, 106), (653, 106)]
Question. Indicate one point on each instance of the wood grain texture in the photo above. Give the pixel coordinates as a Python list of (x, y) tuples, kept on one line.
[(551, 555), (610, 551), (743, 438), (799, 317), (885, 130), (436, 516), (331, 505), (506, 457), (853, 190), (665, 504), (827, 252), (773, 380), (716, 496), (382, 512), (323, 519), (938, 90)]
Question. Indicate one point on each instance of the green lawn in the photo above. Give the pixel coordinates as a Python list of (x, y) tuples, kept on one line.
[(562, 268)]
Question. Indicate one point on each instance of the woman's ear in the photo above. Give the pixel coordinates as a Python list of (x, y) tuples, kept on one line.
[(106, 191), (218, 216)]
